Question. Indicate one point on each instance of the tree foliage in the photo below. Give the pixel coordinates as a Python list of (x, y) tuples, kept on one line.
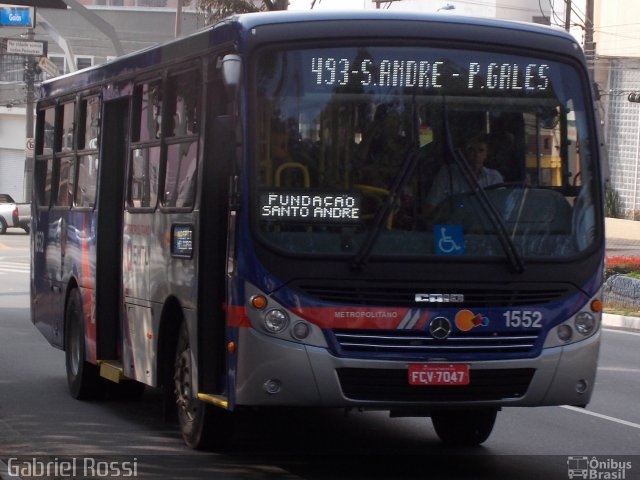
[(216, 10)]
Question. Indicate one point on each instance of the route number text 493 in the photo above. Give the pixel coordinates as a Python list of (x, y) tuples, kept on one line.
[(523, 318)]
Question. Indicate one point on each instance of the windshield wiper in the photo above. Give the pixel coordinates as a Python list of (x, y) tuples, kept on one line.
[(382, 215), (490, 210)]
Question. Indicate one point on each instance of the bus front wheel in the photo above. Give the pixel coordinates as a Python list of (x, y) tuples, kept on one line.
[(464, 427), (82, 377), (203, 426)]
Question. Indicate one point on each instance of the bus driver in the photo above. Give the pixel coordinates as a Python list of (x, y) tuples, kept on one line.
[(450, 180)]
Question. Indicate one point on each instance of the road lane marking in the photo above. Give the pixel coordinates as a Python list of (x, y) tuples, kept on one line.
[(619, 369), (10, 267), (600, 415)]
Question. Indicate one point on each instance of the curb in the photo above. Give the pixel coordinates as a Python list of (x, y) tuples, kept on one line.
[(620, 321)]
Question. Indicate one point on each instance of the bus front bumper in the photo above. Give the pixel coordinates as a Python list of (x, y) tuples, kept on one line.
[(275, 372)]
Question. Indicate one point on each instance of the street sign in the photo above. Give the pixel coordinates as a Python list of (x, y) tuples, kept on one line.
[(29, 147), (15, 16), (48, 67), (24, 47)]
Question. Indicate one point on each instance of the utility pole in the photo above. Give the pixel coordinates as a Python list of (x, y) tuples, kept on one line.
[(29, 79), (589, 45), (178, 30), (567, 16)]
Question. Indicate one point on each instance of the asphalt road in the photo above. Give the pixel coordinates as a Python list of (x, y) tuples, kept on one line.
[(39, 420)]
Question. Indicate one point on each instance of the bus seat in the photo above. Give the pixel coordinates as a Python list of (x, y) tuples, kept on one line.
[(292, 166)]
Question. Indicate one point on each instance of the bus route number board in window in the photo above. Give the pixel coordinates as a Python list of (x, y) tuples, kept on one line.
[(438, 374)]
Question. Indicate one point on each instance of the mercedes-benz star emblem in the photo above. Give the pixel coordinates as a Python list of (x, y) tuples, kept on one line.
[(440, 328)]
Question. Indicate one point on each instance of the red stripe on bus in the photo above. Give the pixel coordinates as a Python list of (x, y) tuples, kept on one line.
[(86, 281), (237, 317), (352, 317)]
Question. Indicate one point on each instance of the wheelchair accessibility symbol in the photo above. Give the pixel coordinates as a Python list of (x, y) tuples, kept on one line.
[(448, 239)]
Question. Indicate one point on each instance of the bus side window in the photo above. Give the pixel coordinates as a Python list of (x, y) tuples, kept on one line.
[(67, 181), (89, 124), (48, 130), (43, 176), (182, 105), (144, 169), (65, 158), (44, 160), (148, 114), (68, 120), (87, 180), (143, 183), (179, 187)]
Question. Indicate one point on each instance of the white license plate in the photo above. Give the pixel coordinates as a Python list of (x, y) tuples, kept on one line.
[(438, 374)]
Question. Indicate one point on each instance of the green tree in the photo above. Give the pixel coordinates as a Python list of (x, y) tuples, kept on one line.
[(216, 10)]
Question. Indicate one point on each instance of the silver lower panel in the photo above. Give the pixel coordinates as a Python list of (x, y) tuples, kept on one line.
[(307, 376)]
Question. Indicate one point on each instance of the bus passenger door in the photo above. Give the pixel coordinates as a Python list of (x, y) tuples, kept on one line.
[(109, 228)]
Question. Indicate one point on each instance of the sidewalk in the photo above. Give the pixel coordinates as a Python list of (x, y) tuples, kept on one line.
[(622, 229), (627, 230)]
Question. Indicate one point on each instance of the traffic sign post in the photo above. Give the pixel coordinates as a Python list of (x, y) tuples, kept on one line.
[(29, 147)]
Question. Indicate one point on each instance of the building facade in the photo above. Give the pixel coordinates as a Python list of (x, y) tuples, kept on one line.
[(617, 74), (73, 43)]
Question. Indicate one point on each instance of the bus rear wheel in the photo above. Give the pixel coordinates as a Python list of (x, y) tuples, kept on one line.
[(464, 428), (82, 377), (203, 426)]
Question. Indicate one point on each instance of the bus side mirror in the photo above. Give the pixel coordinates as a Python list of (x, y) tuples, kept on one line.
[(231, 71)]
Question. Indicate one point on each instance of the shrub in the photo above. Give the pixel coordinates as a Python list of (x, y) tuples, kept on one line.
[(621, 266), (613, 204)]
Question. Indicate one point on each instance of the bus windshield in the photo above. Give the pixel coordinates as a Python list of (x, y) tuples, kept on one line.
[(399, 151)]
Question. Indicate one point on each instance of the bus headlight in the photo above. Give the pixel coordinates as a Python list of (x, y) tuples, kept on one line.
[(585, 323), (275, 320), (564, 333)]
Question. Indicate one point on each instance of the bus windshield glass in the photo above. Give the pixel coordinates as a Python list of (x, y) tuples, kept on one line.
[(399, 151)]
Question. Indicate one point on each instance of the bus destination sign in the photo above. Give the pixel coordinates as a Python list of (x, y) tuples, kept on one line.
[(312, 207), (491, 74)]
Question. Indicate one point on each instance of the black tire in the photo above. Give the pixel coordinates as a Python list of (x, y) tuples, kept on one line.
[(82, 377), (3, 226), (464, 428), (203, 426), (27, 229)]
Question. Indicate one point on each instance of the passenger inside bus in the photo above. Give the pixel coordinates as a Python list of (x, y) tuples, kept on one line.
[(450, 179)]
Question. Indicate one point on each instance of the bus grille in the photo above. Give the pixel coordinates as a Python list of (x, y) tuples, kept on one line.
[(368, 384), (420, 343), (402, 294)]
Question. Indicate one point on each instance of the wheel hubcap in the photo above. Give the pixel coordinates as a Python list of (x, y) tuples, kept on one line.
[(183, 385)]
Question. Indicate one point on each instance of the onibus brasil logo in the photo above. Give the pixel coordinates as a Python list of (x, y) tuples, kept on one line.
[(593, 468)]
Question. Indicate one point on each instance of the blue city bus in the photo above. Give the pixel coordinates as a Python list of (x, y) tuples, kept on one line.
[(372, 210)]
